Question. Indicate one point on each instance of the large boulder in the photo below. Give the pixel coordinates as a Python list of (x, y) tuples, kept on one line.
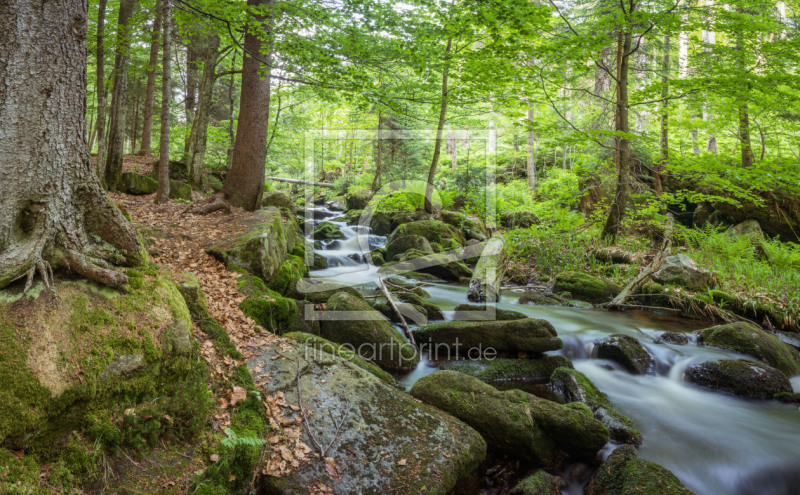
[(528, 335), (133, 183), (278, 200), (519, 219), (379, 222), (410, 447), (432, 230), (502, 369), (748, 227), (573, 386), (327, 231), (627, 351), (179, 189), (357, 199), (443, 266), (683, 270), (625, 474), (263, 247), (742, 377), (749, 339), (370, 335), (478, 312), (324, 345), (399, 245), (586, 287), (472, 228), (516, 422), (540, 483)]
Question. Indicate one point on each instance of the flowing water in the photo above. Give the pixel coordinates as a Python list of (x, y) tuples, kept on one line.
[(716, 444)]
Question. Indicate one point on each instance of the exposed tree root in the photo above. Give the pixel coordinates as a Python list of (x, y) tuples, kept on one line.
[(209, 205), (82, 265)]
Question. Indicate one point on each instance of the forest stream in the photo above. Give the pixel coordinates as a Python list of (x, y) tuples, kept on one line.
[(715, 443)]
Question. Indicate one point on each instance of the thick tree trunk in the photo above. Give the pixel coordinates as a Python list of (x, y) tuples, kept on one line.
[(531, 159), (50, 198), (437, 148), (244, 183), (198, 136), (119, 97), (150, 96), (620, 202), (101, 89), (162, 194)]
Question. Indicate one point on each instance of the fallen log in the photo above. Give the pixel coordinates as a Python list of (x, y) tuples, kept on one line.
[(638, 281), (397, 311), (304, 182)]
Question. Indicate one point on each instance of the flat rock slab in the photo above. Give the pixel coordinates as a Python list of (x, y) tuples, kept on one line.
[(389, 442), (528, 335)]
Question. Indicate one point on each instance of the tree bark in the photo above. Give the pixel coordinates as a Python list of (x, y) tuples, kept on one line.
[(662, 163), (617, 211), (150, 97), (437, 148), (531, 159), (376, 181), (50, 198), (162, 194), (101, 89), (244, 183), (119, 97), (198, 136)]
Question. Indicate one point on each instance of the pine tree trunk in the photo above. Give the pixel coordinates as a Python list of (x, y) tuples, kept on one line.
[(119, 97), (50, 198), (198, 136), (150, 96), (620, 202), (101, 89), (244, 183), (162, 194), (376, 181), (662, 163), (531, 159), (439, 128)]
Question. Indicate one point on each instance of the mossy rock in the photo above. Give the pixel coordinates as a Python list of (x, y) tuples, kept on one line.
[(404, 217), (574, 386), (513, 421), (472, 228), (411, 313), (432, 311), (432, 230), (444, 266), (291, 271), (373, 339), (357, 199), (540, 299), (327, 231), (317, 291), (272, 311), (137, 184), (742, 377), (263, 247), (180, 190), (376, 259), (672, 338), (192, 293), (278, 200), (319, 344), (749, 339), (380, 223), (788, 397), (528, 335), (627, 351), (519, 219), (502, 369), (586, 287), (477, 312), (624, 474), (399, 245), (410, 447), (87, 349), (540, 483)]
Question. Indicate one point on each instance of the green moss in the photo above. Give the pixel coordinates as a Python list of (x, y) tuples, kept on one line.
[(272, 311), (749, 339), (500, 314), (324, 345), (133, 183), (327, 231), (490, 370), (180, 190), (627, 351), (624, 474), (431, 230), (540, 483), (528, 335), (292, 269), (586, 287)]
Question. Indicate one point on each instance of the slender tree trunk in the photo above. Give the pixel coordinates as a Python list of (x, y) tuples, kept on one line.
[(376, 181), (198, 136), (135, 121), (437, 148), (101, 90), (244, 183), (744, 117), (232, 108), (662, 163), (162, 194), (531, 158), (51, 202), (119, 97), (150, 95), (619, 204)]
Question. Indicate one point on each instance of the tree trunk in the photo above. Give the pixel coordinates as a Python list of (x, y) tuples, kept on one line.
[(101, 90), (198, 136), (150, 97), (744, 136), (376, 181), (662, 163), (620, 202), (437, 148), (137, 92), (244, 183), (531, 159), (162, 194), (50, 199), (119, 97)]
